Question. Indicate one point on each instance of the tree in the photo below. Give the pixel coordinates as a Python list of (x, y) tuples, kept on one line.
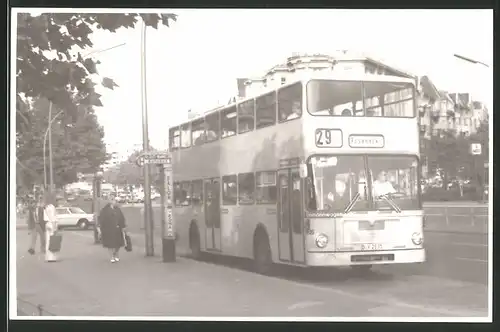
[(77, 145), (128, 172), (65, 80), (451, 153)]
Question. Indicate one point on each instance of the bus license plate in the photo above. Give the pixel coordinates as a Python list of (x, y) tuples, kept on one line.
[(371, 246)]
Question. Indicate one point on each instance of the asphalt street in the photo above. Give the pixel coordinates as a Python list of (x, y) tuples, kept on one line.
[(84, 283), (455, 256)]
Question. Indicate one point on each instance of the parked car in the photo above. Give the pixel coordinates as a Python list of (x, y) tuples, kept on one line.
[(122, 198), (73, 216)]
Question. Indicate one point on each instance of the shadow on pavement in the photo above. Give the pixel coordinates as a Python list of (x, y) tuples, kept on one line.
[(310, 274)]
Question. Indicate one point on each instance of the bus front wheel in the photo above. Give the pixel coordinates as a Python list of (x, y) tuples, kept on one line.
[(262, 254)]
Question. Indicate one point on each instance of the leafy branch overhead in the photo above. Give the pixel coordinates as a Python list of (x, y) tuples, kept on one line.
[(65, 80)]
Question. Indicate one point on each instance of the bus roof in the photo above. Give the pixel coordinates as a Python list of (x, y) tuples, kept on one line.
[(306, 77)]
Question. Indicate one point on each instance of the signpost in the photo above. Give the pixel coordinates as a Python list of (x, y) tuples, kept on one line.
[(164, 161), (476, 151), (475, 148)]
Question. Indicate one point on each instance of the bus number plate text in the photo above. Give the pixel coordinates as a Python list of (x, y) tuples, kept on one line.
[(328, 138), (371, 246)]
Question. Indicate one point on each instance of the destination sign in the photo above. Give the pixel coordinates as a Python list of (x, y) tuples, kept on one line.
[(328, 138), (366, 141)]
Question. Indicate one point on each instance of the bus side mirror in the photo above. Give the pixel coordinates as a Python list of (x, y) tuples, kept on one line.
[(303, 171)]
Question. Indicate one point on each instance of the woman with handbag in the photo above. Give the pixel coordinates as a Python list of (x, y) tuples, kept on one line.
[(52, 239), (112, 229)]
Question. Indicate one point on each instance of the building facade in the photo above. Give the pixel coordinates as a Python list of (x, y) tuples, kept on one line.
[(294, 66), (441, 111)]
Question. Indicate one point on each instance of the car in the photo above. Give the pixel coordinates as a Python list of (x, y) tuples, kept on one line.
[(122, 198), (73, 216)]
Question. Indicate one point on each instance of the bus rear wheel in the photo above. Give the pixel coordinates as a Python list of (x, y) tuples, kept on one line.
[(263, 261), (194, 242)]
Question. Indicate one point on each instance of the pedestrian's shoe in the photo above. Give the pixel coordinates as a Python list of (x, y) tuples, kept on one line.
[(31, 251), (113, 260), (117, 259)]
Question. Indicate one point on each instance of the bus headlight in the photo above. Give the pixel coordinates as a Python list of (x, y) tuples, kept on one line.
[(321, 241), (417, 238)]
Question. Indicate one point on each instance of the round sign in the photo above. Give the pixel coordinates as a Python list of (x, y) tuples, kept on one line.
[(140, 161)]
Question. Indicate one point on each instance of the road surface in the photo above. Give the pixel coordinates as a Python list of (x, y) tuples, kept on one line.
[(84, 283), (455, 256)]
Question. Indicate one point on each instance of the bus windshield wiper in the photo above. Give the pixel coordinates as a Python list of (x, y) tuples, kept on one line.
[(391, 202), (351, 203)]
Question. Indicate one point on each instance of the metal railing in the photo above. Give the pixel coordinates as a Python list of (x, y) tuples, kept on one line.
[(27, 308), (454, 217)]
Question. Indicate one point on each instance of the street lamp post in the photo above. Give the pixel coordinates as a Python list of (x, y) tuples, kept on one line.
[(477, 147), (148, 221), (48, 132), (461, 57)]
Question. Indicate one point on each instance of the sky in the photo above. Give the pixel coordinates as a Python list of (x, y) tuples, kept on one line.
[(195, 63)]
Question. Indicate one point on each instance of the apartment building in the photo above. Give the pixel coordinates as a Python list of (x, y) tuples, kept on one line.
[(441, 111)]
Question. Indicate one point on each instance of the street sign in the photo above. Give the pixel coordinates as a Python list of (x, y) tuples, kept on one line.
[(154, 158), (140, 161), (169, 220), (475, 148)]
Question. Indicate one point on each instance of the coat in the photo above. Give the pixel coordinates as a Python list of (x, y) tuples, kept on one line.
[(112, 223)]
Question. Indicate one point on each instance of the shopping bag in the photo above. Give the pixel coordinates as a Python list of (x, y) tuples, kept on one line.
[(55, 242), (128, 242)]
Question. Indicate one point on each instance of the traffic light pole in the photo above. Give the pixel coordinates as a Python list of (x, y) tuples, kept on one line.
[(167, 229)]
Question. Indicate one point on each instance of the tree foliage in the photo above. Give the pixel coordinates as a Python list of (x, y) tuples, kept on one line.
[(451, 153), (65, 80), (77, 145)]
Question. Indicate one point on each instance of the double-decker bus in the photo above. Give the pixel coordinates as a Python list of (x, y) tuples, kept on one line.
[(323, 171)]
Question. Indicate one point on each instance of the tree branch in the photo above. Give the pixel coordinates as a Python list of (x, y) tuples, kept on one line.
[(26, 121), (25, 167)]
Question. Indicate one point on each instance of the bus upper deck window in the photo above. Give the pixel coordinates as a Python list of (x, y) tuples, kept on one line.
[(290, 102)]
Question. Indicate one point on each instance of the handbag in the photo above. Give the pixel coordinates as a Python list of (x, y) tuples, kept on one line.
[(128, 242), (55, 242)]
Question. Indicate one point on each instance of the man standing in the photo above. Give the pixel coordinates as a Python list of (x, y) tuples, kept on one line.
[(37, 224)]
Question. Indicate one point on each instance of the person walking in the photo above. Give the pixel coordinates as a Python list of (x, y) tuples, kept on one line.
[(36, 224), (112, 229), (51, 226)]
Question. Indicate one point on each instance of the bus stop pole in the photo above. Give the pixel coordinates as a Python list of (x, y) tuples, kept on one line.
[(168, 232)]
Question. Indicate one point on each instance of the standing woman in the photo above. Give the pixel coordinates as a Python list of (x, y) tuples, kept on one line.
[(50, 218), (112, 229)]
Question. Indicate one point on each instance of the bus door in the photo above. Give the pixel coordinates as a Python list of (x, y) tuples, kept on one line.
[(212, 214), (290, 216)]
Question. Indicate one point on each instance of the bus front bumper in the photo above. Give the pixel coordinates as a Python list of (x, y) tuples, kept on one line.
[(403, 256)]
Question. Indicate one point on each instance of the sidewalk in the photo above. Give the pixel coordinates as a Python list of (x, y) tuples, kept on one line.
[(85, 283)]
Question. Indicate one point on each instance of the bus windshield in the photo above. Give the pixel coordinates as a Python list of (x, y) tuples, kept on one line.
[(355, 98), (337, 182), (340, 184), (394, 182)]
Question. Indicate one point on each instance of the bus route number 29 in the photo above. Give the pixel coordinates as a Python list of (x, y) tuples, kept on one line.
[(328, 138)]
